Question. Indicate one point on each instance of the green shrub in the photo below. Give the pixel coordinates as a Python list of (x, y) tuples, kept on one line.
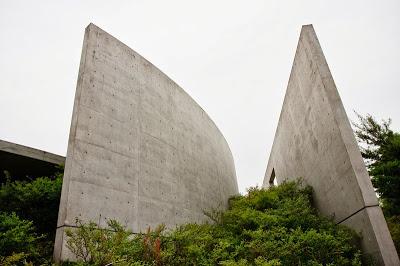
[(18, 240), (37, 201), (278, 226), (100, 246)]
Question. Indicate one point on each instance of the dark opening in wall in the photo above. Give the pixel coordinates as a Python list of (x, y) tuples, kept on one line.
[(272, 179)]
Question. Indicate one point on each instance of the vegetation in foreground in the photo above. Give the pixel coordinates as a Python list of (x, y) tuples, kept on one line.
[(278, 226), (28, 220)]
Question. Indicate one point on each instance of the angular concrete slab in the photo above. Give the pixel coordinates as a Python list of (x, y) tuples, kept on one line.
[(314, 140), (140, 150), (20, 161)]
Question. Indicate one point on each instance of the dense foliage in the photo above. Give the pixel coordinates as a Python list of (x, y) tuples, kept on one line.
[(380, 147), (28, 220), (18, 241), (278, 226), (37, 200)]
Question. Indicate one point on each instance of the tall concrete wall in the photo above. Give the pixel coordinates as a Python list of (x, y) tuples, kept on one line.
[(314, 140), (140, 149)]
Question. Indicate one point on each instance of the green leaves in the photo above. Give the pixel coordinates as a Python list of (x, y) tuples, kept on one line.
[(287, 228), (18, 240), (380, 147), (278, 226), (97, 245), (32, 209), (37, 201)]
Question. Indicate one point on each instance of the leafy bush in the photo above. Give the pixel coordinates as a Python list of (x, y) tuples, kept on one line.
[(37, 201), (18, 240), (278, 226), (101, 246)]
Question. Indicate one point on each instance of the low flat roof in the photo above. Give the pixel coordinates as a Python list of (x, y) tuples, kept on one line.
[(20, 161)]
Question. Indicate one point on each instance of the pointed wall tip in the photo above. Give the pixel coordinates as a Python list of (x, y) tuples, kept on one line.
[(307, 26), (91, 24)]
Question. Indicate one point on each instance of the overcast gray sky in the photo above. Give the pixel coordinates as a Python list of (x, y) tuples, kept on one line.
[(233, 57)]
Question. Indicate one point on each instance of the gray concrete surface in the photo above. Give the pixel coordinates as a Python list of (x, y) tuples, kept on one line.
[(20, 161), (314, 140), (140, 150)]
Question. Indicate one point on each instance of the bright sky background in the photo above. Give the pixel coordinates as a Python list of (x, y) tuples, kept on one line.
[(233, 57)]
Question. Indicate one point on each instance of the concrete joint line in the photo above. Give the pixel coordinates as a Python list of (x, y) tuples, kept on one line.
[(375, 205), (75, 226)]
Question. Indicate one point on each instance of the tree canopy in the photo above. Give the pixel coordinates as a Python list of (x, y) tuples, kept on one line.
[(380, 147)]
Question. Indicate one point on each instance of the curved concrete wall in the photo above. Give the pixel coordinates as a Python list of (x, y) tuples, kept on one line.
[(140, 149), (314, 140)]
